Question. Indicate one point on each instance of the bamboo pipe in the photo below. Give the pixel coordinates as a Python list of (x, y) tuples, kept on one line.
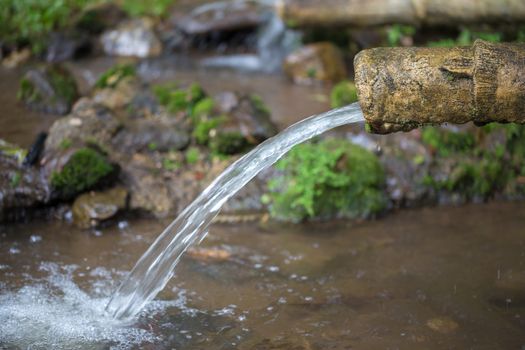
[(414, 12), (403, 88)]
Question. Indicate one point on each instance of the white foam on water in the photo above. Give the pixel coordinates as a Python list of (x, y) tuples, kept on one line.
[(55, 313)]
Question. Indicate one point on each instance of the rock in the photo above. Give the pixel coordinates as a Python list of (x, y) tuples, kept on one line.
[(80, 170), (406, 162), (246, 122), (11, 150), (252, 119), (88, 123), (442, 325), (319, 62), (21, 188), (95, 18), (92, 208), (36, 149), (16, 58), (50, 89), (65, 46), (209, 254), (221, 17), (148, 189), (153, 135), (132, 38), (119, 96)]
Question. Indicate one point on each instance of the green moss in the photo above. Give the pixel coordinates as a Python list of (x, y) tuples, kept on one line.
[(478, 170), (114, 75), (204, 128), (152, 146), (326, 179), (177, 99), (203, 107), (170, 164), (65, 144), (446, 142), (15, 180), (343, 94), (84, 170), (259, 104), (396, 32), (228, 143), (466, 38), (192, 155), (138, 8), (31, 21), (62, 83)]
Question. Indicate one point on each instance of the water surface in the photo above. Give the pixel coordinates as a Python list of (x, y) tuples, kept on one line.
[(342, 285)]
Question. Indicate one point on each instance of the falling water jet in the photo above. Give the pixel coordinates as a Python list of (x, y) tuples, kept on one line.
[(155, 268)]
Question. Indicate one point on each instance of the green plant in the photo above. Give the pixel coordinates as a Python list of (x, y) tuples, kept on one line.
[(136, 8), (344, 93), (65, 144), (177, 99), (325, 179), (228, 143), (467, 38), (446, 142), (170, 164), (192, 155), (203, 128), (15, 180), (396, 32), (259, 104), (84, 170), (31, 21), (114, 75)]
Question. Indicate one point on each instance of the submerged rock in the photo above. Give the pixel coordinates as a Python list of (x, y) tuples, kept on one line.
[(134, 38), (50, 89), (319, 62), (443, 325), (92, 208)]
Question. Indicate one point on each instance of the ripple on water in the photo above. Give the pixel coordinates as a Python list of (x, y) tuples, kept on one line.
[(54, 312)]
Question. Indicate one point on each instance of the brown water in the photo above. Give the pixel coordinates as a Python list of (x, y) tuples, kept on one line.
[(371, 285)]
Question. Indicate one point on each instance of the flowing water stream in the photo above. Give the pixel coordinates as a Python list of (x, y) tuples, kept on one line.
[(155, 267)]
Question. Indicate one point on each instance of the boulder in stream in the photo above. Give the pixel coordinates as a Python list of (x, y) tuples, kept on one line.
[(50, 89), (132, 38), (91, 208), (319, 62)]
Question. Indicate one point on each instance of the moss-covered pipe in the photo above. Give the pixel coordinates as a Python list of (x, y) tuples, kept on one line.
[(415, 12), (402, 88)]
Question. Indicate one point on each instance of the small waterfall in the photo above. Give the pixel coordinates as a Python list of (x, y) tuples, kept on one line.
[(154, 269), (274, 42)]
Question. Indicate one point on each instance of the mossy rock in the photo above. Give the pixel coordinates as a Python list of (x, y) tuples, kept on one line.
[(228, 143), (86, 169), (89, 209), (50, 89), (326, 179), (113, 76)]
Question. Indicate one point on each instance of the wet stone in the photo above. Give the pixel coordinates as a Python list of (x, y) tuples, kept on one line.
[(49, 89), (442, 325), (319, 62), (92, 208), (132, 38)]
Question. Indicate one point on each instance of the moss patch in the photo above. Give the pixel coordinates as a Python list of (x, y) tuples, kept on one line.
[(446, 142), (84, 170), (326, 179), (343, 94), (114, 75)]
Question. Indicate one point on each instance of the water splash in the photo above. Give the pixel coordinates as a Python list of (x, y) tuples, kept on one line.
[(154, 269), (53, 312)]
